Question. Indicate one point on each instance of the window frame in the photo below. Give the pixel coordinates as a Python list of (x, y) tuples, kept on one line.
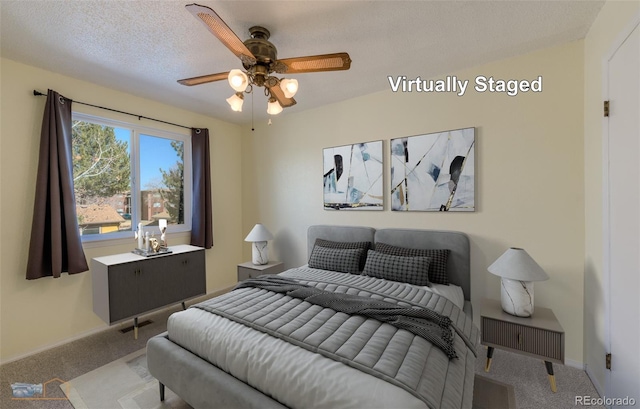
[(134, 154)]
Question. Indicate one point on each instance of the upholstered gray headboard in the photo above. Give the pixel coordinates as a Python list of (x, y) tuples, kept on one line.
[(458, 265)]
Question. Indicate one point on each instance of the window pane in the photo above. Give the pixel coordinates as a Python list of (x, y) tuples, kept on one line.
[(101, 177), (161, 180)]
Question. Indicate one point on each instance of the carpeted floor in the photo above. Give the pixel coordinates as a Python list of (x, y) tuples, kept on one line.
[(54, 367), (531, 384)]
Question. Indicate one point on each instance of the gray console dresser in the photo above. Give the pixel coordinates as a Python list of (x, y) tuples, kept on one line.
[(128, 285)]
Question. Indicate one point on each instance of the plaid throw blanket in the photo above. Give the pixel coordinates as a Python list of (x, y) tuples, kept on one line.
[(425, 323)]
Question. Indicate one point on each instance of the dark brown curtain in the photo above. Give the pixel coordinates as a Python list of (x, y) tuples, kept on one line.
[(55, 239), (201, 223)]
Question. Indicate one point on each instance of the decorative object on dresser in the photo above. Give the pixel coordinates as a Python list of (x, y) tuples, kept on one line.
[(518, 271), (434, 172), (259, 237), (250, 270), (352, 177), (128, 285), (540, 336)]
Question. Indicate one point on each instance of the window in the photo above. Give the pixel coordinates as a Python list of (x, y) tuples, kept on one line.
[(125, 174)]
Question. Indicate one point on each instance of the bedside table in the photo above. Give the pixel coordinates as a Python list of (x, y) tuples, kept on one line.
[(249, 270), (539, 336)]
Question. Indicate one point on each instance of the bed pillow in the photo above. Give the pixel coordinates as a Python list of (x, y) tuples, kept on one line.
[(365, 245), (341, 260), (412, 270), (437, 266)]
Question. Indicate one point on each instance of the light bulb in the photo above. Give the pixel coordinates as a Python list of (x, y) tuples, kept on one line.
[(273, 107), (238, 80), (289, 87), (236, 101)]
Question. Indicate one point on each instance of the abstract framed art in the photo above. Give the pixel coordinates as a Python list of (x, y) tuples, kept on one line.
[(434, 172), (352, 177)]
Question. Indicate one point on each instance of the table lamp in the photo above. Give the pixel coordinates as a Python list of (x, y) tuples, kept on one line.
[(518, 271), (258, 236)]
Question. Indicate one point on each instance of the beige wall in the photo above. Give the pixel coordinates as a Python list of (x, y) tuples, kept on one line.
[(529, 173), (36, 314), (614, 17)]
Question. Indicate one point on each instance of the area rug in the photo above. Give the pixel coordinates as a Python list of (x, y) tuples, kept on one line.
[(491, 394), (126, 383)]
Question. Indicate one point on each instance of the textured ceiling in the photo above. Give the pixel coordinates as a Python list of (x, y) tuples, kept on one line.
[(143, 47)]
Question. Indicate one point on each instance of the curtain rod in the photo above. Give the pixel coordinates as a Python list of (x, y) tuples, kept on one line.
[(38, 93)]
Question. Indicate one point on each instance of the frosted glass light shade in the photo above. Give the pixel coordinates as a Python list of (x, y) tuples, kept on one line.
[(289, 87), (236, 101), (238, 80), (273, 107)]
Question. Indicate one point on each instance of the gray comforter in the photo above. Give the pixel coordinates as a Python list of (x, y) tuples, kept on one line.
[(395, 355)]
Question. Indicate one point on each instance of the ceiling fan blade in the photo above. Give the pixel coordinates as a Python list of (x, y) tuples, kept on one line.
[(314, 63), (221, 30), (203, 79), (278, 94)]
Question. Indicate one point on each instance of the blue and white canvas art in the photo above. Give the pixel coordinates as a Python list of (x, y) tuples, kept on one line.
[(434, 172), (352, 177)]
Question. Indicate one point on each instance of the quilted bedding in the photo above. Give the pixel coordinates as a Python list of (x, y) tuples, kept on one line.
[(376, 349)]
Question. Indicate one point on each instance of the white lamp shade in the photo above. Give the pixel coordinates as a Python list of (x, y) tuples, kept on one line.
[(238, 80), (274, 108), (289, 87), (517, 264), (236, 101), (259, 233)]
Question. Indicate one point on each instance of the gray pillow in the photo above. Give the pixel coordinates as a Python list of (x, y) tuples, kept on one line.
[(412, 270), (365, 245), (341, 260), (437, 266)]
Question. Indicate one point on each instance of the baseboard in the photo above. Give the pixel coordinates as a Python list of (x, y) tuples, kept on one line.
[(575, 364), (106, 327), (47, 347), (594, 381)]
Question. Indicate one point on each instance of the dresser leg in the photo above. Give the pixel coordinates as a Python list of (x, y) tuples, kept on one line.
[(552, 377), (135, 328), (487, 366), (184, 307)]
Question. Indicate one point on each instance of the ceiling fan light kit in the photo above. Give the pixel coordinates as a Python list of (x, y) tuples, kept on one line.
[(289, 87), (273, 107), (236, 101), (259, 60), (238, 80)]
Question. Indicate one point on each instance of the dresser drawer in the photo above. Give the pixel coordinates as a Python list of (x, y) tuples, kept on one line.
[(542, 343)]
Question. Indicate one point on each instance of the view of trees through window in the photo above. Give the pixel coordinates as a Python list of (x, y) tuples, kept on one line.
[(104, 172)]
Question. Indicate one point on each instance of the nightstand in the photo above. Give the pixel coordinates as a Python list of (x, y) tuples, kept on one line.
[(539, 336), (249, 270)]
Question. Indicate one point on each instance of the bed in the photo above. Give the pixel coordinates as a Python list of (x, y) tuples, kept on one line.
[(268, 362)]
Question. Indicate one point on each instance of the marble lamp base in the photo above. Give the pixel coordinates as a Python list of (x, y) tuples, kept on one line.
[(517, 297), (259, 253)]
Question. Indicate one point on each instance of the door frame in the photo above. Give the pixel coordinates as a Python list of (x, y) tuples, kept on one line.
[(606, 226)]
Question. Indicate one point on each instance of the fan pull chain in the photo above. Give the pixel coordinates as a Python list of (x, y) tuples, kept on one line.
[(252, 128)]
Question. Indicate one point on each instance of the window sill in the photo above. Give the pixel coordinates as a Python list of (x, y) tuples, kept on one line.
[(119, 242)]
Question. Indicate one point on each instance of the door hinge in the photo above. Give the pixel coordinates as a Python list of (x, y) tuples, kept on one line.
[(606, 108), (608, 361)]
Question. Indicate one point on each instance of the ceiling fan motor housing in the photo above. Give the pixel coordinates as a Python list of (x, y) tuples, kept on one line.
[(260, 46)]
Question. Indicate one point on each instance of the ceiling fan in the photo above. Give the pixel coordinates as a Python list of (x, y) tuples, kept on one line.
[(260, 59)]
